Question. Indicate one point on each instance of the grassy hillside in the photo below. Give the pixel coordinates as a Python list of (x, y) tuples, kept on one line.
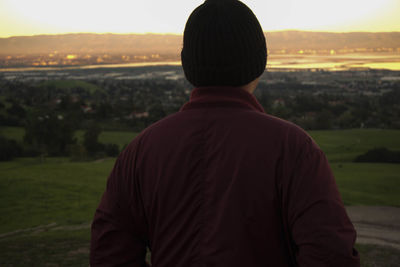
[(33, 193), (368, 183), (359, 183), (48, 205), (111, 137), (345, 145)]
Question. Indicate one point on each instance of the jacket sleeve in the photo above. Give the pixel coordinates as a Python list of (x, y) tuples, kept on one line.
[(118, 232), (321, 232)]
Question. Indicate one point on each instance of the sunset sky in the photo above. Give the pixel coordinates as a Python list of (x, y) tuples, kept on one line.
[(28, 17)]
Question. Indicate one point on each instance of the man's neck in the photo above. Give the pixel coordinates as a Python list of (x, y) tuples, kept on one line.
[(250, 87)]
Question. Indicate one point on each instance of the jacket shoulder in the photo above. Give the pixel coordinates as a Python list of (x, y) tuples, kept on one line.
[(285, 131)]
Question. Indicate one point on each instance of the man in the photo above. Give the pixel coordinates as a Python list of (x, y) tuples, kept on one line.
[(221, 183)]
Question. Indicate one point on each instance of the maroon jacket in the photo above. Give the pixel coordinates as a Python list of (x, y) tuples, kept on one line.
[(221, 183)]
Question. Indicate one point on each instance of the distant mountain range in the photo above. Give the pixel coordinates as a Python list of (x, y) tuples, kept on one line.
[(281, 42)]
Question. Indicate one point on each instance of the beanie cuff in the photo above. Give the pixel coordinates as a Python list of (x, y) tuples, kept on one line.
[(226, 75)]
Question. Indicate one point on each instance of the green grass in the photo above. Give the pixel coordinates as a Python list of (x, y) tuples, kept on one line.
[(57, 190), (111, 137), (119, 138), (378, 256), (49, 248), (368, 183), (339, 145), (15, 133), (35, 193), (71, 248), (345, 145)]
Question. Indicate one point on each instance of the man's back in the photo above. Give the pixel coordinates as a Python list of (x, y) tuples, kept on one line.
[(221, 183)]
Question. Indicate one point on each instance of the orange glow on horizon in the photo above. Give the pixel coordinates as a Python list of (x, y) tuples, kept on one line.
[(26, 17)]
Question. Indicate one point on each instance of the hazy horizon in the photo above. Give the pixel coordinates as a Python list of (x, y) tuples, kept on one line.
[(181, 34), (323, 49), (42, 17)]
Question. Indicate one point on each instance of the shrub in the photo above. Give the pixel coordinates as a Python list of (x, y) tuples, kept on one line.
[(78, 152), (380, 154), (112, 150), (9, 149)]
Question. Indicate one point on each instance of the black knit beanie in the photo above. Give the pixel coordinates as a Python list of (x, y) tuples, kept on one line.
[(223, 45)]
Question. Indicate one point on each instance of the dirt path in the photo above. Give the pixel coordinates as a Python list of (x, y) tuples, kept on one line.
[(376, 225), (44, 228)]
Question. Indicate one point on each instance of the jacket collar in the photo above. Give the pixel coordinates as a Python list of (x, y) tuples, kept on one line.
[(202, 97)]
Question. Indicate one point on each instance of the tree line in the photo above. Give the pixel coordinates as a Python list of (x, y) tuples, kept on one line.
[(52, 111)]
